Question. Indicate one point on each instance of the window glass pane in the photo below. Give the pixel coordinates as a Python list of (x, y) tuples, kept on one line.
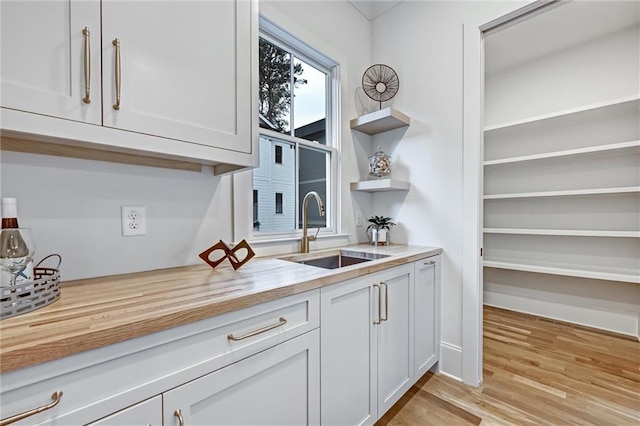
[(314, 168), (309, 103), (278, 202), (274, 87), (278, 154), (271, 178)]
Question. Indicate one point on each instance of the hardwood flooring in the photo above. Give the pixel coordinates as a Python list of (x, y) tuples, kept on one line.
[(536, 371)]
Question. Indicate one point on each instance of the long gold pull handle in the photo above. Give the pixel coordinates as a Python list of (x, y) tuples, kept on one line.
[(178, 414), (87, 66), (386, 302), (377, 321), (116, 43), (55, 399), (282, 321)]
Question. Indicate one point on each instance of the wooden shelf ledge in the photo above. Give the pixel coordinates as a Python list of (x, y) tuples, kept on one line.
[(380, 185), (380, 121)]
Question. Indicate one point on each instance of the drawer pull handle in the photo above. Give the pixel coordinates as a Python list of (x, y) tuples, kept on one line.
[(429, 263), (87, 66), (55, 400), (386, 302), (118, 66), (282, 321), (178, 414)]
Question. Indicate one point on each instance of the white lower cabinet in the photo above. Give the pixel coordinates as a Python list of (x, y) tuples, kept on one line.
[(427, 314), (279, 386), (148, 412), (339, 355), (367, 346)]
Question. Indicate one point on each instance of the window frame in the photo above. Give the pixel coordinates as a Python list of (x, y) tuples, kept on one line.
[(243, 182)]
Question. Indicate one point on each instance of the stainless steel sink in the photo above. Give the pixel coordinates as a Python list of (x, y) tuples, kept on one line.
[(338, 259)]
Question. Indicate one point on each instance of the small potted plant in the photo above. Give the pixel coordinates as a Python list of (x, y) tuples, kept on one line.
[(378, 230)]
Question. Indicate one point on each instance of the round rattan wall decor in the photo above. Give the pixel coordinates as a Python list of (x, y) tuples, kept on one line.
[(380, 82)]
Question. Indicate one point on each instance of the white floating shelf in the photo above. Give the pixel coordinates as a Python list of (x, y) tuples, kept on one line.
[(593, 191), (380, 185), (563, 232), (613, 106), (380, 121), (570, 152), (597, 275)]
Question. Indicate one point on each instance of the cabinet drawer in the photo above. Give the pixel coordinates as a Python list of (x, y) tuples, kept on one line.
[(100, 382)]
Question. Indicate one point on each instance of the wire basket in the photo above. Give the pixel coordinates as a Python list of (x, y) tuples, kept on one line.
[(32, 295)]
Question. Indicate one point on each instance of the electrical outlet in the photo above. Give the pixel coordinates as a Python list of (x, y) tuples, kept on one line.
[(133, 221), (359, 218)]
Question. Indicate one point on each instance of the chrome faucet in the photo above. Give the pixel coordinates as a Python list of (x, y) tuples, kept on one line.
[(304, 245)]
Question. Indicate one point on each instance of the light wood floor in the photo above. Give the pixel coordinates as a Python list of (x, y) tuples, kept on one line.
[(536, 371)]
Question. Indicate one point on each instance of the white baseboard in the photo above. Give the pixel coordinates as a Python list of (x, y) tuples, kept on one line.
[(450, 363), (617, 322)]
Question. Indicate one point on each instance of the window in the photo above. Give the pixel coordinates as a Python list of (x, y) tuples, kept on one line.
[(296, 117)]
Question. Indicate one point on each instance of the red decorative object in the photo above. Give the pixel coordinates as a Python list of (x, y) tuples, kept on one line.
[(227, 252)]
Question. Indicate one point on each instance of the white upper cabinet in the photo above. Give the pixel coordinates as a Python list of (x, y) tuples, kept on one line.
[(181, 83), (48, 58), (185, 70)]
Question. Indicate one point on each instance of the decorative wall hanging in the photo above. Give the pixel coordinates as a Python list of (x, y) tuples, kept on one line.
[(226, 252), (380, 82)]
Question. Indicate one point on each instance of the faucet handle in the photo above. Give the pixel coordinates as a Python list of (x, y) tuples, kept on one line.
[(315, 237)]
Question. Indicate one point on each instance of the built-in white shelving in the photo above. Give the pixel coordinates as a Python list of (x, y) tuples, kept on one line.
[(614, 106), (565, 193), (380, 185), (564, 232), (553, 270), (592, 153), (622, 146), (380, 121)]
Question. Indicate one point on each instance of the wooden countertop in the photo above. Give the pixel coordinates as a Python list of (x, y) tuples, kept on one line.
[(96, 312)]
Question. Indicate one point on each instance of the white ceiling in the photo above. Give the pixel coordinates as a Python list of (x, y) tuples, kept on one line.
[(371, 9), (559, 28)]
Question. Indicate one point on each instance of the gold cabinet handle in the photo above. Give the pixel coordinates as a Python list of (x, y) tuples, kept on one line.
[(377, 320), (282, 321), (386, 302), (118, 67), (55, 399), (87, 66), (178, 414)]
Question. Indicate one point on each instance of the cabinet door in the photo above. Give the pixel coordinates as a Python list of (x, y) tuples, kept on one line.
[(185, 68), (280, 386), (395, 336), (43, 57), (148, 412), (348, 353), (427, 314)]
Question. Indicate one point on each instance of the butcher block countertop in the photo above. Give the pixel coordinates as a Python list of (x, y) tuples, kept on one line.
[(96, 312)]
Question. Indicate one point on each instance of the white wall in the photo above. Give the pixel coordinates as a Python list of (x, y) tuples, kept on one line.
[(424, 42), (74, 208)]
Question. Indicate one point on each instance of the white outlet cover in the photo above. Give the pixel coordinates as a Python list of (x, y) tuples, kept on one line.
[(133, 227)]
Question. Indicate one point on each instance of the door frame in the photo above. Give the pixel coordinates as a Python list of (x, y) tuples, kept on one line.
[(472, 197)]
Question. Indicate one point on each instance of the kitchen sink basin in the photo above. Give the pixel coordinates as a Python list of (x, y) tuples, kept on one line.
[(338, 259)]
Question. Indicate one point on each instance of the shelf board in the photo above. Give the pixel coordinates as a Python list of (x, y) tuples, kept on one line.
[(563, 232), (567, 193), (566, 153), (594, 109), (609, 276), (380, 121), (380, 185)]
